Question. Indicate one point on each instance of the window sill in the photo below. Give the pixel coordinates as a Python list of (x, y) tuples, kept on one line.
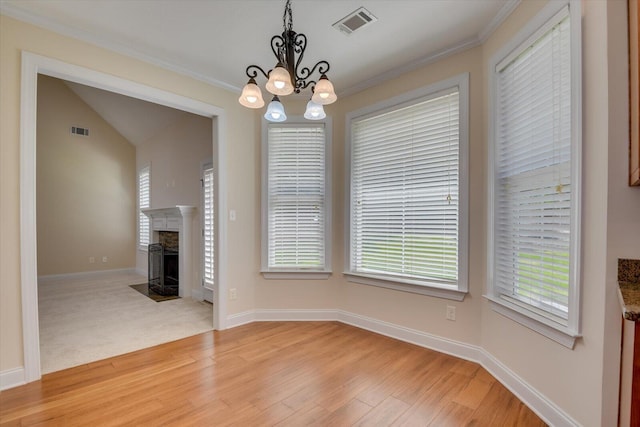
[(406, 286), (546, 327), (143, 248), (296, 274)]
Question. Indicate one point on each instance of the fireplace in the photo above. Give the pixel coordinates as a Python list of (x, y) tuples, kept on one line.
[(164, 270), (178, 220)]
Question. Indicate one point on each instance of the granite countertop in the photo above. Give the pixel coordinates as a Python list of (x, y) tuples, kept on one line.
[(629, 288), (630, 300)]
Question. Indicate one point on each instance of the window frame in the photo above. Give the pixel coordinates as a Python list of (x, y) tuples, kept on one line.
[(143, 247), (325, 271), (460, 81), (531, 317), (204, 167)]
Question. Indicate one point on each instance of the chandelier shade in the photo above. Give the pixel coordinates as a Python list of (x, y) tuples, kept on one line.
[(251, 96), (279, 81), (314, 111), (288, 76), (323, 93), (275, 111)]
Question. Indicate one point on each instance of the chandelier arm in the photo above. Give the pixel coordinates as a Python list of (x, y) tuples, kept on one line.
[(303, 84), (277, 47), (321, 66), (252, 71), (299, 46)]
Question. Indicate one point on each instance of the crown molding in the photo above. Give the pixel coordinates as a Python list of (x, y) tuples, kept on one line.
[(14, 12), (502, 14), (469, 43), (397, 72)]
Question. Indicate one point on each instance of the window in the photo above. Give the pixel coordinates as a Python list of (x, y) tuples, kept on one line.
[(296, 220), (408, 191), (208, 227), (144, 201), (534, 171)]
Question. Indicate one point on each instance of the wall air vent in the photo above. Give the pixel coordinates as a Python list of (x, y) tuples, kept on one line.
[(355, 21), (79, 131)]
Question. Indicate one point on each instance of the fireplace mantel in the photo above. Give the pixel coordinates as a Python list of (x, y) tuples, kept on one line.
[(178, 211), (177, 218)]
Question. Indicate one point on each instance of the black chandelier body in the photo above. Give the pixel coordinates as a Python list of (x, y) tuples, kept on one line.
[(285, 47), (288, 76)]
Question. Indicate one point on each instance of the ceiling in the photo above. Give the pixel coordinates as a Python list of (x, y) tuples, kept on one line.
[(215, 40)]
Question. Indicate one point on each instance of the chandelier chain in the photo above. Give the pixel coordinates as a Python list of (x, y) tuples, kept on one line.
[(287, 17)]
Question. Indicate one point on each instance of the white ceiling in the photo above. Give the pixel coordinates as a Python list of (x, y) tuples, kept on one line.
[(215, 40)]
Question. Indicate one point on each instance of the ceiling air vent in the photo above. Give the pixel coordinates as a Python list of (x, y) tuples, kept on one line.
[(79, 131), (355, 21)]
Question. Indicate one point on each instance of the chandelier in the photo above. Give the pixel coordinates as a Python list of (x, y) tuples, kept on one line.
[(287, 76)]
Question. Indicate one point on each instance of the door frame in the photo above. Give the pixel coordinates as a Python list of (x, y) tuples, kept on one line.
[(32, 65)]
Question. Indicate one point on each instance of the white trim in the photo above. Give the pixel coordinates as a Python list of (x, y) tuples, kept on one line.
[(85, 274), (12, 378), (325, 270), (557, 333), (126, 50), (413, 336), (239, 319), (564, 335), (461, 82), (497, 20), (548, 411), (297, 274), (399, 71), (32, 65), (406, 286), (464, 45)]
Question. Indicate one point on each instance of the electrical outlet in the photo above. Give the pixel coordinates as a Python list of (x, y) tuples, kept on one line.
[(105, 259), (451, 312), (92, 259), (233, 294)]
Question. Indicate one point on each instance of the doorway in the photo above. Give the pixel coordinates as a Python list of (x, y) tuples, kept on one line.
[(32, 65)]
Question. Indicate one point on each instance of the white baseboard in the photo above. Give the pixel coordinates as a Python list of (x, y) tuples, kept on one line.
[(87, 274), (240, 319), (197, 294), (540, 404), (12, 378)]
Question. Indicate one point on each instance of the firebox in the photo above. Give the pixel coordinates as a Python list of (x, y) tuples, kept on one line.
[(163, 265)]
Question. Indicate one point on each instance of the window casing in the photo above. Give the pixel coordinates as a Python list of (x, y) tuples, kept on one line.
[(408, 180), (144, 201), (296, 222), (535, 161), (208, 227)]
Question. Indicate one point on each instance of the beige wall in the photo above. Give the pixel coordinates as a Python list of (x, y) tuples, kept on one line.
[(85, 187), (242, 163), (175, 157), (577, 381), (419, 312)]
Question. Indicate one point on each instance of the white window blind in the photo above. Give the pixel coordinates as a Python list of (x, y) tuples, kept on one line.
[(296, 197), (144, 201), (533, 184), (405, 196), (208, 228)]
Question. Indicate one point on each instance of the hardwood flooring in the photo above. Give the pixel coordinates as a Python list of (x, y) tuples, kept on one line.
[(271, 373)]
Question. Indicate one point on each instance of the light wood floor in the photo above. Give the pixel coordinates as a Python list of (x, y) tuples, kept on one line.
[(271, 373)]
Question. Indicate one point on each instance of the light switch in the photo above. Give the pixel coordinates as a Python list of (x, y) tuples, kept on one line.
[(232, 215)]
